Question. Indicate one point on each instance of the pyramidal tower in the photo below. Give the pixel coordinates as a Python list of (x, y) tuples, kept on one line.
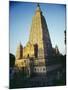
[(39, 47), (39, 34)]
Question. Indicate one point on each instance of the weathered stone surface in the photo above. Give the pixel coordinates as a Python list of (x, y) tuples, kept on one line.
[(39, 46)]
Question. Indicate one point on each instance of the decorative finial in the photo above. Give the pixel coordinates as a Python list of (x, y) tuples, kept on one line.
[(38, 7)]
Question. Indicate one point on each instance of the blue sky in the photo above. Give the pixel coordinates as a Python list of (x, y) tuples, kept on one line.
[(20, 19)]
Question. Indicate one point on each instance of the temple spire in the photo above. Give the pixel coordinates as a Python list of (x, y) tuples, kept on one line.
[(38, 7)]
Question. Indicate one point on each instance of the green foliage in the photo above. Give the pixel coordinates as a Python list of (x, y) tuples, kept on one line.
[(12, 60)]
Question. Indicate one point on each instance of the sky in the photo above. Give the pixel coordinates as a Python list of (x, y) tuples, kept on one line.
[(20, 19)]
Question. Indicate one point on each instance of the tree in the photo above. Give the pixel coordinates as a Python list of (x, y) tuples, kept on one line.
[(12, 60)]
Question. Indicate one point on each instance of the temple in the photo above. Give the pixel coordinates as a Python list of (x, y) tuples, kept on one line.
[(35, 56)]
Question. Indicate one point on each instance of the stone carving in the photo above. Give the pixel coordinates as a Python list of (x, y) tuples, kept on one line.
[(39, 47)]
